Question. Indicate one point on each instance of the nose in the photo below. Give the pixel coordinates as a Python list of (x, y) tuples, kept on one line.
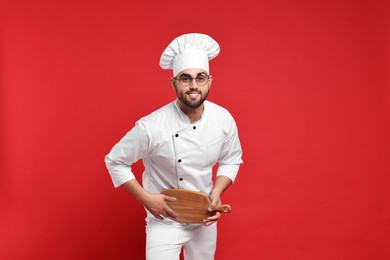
[(193, 84)]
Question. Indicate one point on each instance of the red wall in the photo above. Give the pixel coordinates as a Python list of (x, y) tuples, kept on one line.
[(307, 82)]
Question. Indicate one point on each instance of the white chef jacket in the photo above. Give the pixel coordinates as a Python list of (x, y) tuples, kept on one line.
[(176, 153)]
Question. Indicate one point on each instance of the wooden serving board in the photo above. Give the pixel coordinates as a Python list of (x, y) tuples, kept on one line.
[(192, 206)]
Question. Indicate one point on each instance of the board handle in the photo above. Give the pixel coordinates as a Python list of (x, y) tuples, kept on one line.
[(225, 208)]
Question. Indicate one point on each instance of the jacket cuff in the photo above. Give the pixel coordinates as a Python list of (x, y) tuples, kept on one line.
[(228, 170)]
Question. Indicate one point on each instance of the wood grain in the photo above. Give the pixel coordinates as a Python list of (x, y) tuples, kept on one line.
[(192, 206)]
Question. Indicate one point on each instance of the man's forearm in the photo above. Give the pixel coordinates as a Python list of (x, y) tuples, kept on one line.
[(135, 189), (220, 185)]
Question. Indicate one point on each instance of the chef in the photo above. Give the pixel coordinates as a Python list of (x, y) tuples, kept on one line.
[(179, 144)]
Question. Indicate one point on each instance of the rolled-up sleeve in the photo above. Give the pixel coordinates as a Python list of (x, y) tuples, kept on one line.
[(132, 147), (230, 158)]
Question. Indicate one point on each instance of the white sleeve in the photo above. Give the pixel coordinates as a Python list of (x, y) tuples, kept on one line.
[(132, 147), (230, 157)]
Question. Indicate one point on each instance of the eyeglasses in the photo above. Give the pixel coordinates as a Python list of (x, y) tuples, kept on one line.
[(186, 79)]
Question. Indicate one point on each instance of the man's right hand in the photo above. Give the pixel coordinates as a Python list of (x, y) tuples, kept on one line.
[(154, 203), (157, 206)]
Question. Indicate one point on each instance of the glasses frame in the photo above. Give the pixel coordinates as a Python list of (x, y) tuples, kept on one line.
[(190, 77)]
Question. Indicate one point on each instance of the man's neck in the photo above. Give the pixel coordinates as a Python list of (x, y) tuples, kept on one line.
[(194, 114)]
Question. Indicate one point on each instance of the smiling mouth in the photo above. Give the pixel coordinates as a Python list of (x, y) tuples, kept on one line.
[(193, 94)]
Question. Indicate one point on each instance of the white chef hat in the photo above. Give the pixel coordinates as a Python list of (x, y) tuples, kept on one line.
[(189, 51)]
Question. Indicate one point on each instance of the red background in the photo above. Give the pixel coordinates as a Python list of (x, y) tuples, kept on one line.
[(307, 82)]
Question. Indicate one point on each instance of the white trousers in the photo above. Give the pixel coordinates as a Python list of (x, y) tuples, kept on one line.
[(166, 238)]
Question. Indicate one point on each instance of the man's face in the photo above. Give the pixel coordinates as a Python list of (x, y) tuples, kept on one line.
[(192, 87)]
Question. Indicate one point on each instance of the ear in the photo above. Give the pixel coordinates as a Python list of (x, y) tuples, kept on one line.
[(210, 80), (173, 83)]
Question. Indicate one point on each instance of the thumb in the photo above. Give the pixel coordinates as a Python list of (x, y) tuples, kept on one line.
[(213, 204)]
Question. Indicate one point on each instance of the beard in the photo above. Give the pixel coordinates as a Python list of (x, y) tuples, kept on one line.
[(192, 103)]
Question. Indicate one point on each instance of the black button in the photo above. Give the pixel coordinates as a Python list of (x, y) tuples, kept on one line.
[(177, 135), (194, 127), (179, 160), (180, 179)]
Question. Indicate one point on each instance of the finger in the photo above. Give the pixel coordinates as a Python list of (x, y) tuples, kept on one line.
[(216, 216), (168, 198), (159, 216), (171, 213), (212, 219), (209, 223)]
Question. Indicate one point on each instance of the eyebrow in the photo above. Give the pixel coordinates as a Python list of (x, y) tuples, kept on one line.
[(190, 76)]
